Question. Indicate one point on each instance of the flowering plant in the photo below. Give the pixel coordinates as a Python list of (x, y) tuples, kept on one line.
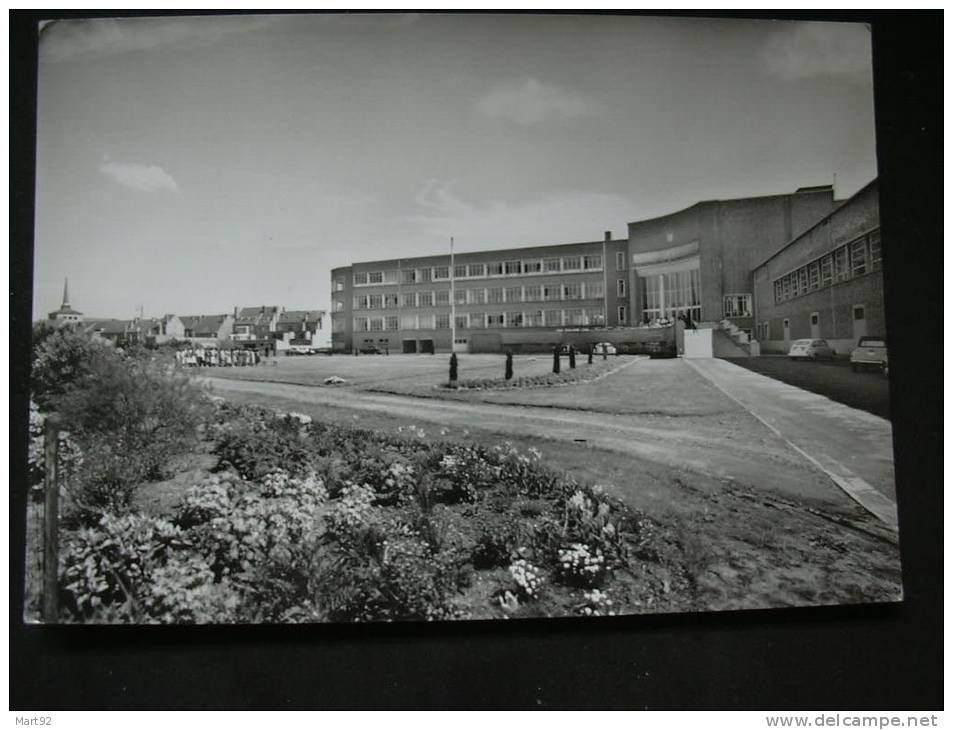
[(581, 565), (528, 579)]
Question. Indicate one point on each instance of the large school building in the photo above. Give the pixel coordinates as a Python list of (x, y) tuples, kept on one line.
[(706, 262)]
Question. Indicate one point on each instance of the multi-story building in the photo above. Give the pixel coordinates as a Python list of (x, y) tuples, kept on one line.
[(698, 263), (826, 282), (65, 315), (515, 298)]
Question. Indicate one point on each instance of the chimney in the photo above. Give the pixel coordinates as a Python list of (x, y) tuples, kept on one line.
[(608, 236)]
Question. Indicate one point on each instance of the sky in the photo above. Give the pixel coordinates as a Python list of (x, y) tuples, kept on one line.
[(191, 165)]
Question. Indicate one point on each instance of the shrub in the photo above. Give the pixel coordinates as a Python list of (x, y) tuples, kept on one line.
[(131, 418), (61, 358), (581, 565), (258, 444)]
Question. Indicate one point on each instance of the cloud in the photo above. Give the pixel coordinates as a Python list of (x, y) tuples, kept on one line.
[(147, 178), (560, 217), (531, 102), (836, 51), (70, 40)]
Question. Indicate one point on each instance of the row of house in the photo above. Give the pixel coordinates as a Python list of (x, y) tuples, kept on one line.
[(263, 327)]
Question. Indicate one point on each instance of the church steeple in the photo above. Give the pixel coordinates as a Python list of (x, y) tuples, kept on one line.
[(66, 314)]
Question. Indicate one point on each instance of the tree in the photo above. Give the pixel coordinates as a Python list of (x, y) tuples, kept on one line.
[(572, 357), (453, 368), (509, 365), (556, 359)]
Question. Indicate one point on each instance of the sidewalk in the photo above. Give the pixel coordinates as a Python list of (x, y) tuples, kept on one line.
[(854, 448)]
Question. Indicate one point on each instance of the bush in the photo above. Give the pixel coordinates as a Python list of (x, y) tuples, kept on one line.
[(131, 419), (61, 358)]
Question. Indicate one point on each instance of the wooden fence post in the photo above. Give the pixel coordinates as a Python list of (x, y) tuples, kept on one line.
[(51, 490)]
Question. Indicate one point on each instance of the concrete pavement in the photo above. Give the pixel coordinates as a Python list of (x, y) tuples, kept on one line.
[(853, 447)]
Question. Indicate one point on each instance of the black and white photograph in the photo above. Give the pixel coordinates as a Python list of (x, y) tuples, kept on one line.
[(393, 317)]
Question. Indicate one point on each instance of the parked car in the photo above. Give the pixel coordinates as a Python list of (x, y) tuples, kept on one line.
[(811, 350), (604, 348), (370, 350), (871, 352)]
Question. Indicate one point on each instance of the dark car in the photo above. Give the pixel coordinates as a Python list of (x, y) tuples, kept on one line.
[(370, 350)]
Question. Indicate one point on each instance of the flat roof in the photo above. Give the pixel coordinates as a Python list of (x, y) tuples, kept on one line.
[(823, 219)]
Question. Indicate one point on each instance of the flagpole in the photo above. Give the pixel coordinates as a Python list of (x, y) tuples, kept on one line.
[(453, 303)]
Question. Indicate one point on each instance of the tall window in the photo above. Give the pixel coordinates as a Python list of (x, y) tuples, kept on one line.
[(475, 269), (532, 267), (360, 324), (513, 267), (494, 295), (408, 299), (841, 271), (408, 276), (620, 287), (494, 269), (514, 319), (595, 290), (460, 296), (360, 278), (534, 318), (622, 315), (858, 257), (875, 255), (777, 291), (495, 319), (377, 324), (477, 320), (592, 261), (423, 276), (827, 270), (667, 295), (374, 301), (514, 293), (477, 296), (461, 321), (390, 276), (441, 272), (360, 302), (552, 292), (442, 297), (533, 293), (338, 285), (459, 271), (802, 279), (813, 275), (375, 277), (392, 323), (390, 301), (572, 263), (620, 260), (554, 317), (551, 265), (443, 321), (425, 299)]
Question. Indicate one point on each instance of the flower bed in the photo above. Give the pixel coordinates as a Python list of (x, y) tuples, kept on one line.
[(582, 373), (308, 522)]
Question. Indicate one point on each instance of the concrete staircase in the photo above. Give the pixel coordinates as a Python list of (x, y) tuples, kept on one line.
[(729, 341)]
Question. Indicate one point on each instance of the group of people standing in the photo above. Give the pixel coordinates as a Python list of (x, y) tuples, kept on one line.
[(214, 357)]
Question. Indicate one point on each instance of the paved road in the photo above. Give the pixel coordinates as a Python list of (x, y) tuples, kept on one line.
[(869, 391), (853, 447), (732, 445)]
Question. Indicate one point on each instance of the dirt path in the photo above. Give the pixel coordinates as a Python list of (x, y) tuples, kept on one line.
[(730, 447)]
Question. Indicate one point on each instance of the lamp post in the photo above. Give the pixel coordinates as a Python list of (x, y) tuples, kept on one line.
[(453, 303)]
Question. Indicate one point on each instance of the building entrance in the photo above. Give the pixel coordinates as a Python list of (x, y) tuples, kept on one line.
[(410, 347)]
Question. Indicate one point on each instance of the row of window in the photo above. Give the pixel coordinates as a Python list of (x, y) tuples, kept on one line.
[(549, 292), (856, 258), (516, 267), (737, 305), (484, 320)]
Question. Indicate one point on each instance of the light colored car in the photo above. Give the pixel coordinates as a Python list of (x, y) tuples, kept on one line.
[(811, 350), (871, 352), (604, 347)]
